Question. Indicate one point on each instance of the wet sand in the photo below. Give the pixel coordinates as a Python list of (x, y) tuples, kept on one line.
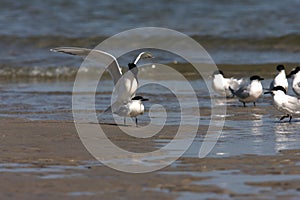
[(46, 160)]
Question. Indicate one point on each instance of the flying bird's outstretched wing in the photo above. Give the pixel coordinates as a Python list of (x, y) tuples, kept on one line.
[(95, 55), (124, 87), (142, 55)]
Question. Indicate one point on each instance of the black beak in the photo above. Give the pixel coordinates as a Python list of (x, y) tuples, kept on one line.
[(144, 99), (269, 92)]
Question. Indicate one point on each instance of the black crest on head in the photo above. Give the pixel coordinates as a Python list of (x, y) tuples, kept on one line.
[(218, 72), (255, 77), (139, 98), (277, 88), (280, 67), (293, 72), (296, 70), (131, 66)]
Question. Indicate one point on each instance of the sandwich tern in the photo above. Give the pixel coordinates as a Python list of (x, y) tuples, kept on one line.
[(285, 103), (132, 109), (125, 85), (221, 85), (247, 93), (295, 73), (280, 79)]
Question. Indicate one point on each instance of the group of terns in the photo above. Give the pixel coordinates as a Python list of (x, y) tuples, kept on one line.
[(126, 104), (248, 92)]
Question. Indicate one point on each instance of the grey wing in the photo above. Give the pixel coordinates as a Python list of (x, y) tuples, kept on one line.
[(96, 56), (272, 85), (242, 92), (72, 50)]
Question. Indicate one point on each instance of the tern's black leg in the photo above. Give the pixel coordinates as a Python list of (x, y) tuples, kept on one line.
[(285, 116), (136, 121), (254, 103), (290, 118), (244, 104)]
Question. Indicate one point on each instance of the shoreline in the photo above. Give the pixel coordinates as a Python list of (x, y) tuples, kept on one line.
[(68, 74)]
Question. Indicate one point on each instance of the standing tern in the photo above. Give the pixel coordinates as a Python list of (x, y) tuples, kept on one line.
[(132, 109), (247, 93), (221, 85), (284, 103), (280, 79), (295, 73), (125, 85)]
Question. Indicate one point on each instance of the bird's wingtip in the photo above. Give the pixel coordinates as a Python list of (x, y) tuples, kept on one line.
[(147, 55), (66, 50), (54, 49)]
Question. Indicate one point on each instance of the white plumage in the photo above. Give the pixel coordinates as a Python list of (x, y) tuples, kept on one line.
[(125, 84), (280, 79), (132, 109), (221, 85), (249, 92), (286, 104), (295, 73)]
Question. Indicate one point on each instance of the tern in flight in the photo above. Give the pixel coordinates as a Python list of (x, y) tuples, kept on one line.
[(125, 85)]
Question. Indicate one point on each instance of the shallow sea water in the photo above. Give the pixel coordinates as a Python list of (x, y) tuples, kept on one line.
[(250, 130)]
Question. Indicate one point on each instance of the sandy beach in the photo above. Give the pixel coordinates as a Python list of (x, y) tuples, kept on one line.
[(46, 160), (42, 156)]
